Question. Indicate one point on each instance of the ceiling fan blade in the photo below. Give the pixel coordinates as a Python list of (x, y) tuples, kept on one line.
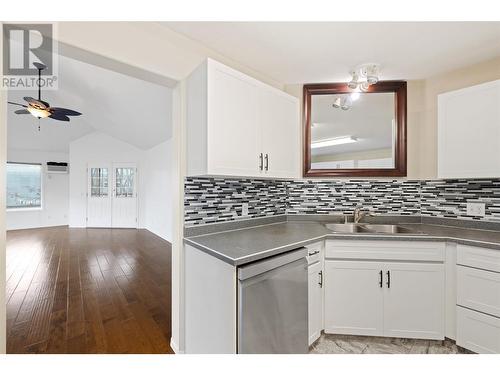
[(20, 105), (58, 116), (64, 111), (38, 103), (39, 65), (22, 112)]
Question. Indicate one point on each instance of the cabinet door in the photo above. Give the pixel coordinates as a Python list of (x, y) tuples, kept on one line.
[(279, 122), (469, 120), (478, 332), (315, 302), (414, 300), (233, 136), (353, 298), (478, 290)]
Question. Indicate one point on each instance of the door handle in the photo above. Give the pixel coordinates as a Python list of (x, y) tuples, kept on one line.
[(388, 279), (267, 162), (261, 161), (320, 279), (381, 281)]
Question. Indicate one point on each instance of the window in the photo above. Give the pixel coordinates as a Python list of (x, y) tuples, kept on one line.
[(24, 185), (98, 182), (124, 182)]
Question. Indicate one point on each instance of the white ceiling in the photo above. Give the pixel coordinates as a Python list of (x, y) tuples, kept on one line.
[(127, 108), (300, 52), (369, 120)]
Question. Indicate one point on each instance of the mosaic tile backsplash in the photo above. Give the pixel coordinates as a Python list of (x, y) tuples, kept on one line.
[(211, 200), (337, 197)]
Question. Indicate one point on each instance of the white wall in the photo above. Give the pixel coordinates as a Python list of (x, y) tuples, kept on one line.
[(154, 186), (157, 190), (55, 192), (96, 147)]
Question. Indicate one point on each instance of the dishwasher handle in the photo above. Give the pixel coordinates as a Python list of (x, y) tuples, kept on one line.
[(268, 264)]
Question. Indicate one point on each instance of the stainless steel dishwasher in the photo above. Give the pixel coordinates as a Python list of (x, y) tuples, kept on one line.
[(272, 305)]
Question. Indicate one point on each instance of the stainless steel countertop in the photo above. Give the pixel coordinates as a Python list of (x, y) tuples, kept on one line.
[(241, 246)]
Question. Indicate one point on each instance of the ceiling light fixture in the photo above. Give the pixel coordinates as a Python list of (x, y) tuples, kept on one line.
[(364, 76), (333, 142), (343, 102), (361, 79)]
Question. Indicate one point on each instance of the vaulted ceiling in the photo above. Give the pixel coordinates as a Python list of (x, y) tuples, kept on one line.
[(127, 108)]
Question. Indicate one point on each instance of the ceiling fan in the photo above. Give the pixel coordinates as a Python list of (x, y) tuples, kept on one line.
[(42, 109)]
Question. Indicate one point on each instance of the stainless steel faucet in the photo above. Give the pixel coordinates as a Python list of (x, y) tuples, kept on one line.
[(358, 214)]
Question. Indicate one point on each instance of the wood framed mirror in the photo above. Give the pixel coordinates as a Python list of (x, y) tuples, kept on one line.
[(350, 133)]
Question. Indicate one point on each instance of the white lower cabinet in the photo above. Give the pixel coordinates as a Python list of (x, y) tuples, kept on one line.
[(353, 298), (478, 299), (478, 332), (315, 301), (479, 290), (384, 298), (414, 300)]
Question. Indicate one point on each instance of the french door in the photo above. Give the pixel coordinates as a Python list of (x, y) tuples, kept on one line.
[(112, 195)]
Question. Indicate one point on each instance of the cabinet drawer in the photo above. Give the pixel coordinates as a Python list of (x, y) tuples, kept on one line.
[(478, 290), (385, 250), (478, 332), (314, 252), (486, 259)]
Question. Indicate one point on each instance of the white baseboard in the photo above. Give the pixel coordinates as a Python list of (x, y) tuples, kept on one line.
[(175, 347)]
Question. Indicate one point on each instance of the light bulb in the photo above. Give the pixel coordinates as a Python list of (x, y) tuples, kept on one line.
[(346, 103), (336, 102), (364, 86), (353, 83), (355, 96), (39, 113), (372, 74)]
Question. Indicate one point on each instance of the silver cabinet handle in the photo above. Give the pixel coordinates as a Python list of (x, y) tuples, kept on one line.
[(314, 253), (267, 162), (320, 279), (261, 162)]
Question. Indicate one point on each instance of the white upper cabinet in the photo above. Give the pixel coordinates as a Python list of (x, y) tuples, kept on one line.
[(239, 126), (279, 120), (469, 132)]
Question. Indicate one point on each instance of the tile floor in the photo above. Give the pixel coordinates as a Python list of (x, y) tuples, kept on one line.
[(343, 344)]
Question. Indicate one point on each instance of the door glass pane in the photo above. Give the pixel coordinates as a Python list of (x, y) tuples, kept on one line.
[(124, 182), (98, 182)]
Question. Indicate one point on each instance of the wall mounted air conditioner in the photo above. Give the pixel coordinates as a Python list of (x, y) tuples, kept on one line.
[(55, 167)]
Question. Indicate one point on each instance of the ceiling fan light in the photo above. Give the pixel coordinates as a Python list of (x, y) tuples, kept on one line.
[(337, 102), (38, 113)]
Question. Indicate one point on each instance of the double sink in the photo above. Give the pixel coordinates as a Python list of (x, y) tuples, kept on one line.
[(370, 228)]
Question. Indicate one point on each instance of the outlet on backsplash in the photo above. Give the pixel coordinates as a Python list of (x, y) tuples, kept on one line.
[(244, 209), (476, 209)]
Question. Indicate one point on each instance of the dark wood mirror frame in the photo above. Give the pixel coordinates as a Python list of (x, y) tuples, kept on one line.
[(399, 89)]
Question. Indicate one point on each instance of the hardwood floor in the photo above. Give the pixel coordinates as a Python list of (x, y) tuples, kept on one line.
[(88, 291)]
